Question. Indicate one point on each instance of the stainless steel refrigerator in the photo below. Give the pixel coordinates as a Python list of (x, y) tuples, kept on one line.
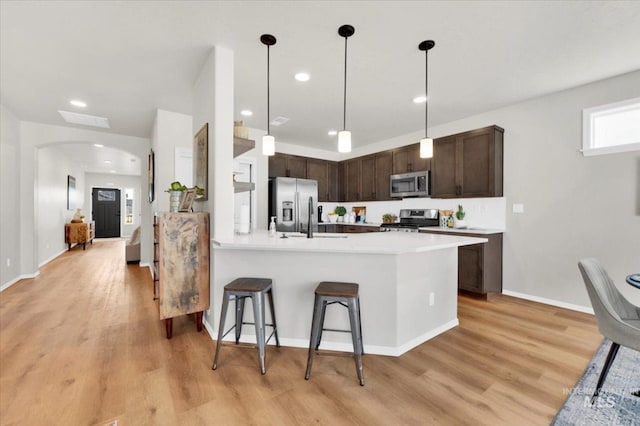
[(293, 202)]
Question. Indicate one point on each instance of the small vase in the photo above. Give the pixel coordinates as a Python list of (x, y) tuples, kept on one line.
[(459, 223), (174, 200)]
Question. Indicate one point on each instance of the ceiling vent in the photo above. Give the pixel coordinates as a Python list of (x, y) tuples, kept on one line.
[(84, 119), (279, 121)]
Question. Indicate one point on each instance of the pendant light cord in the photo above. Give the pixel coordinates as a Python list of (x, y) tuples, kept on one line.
[(426, 89), (344, 109), (268, 94)]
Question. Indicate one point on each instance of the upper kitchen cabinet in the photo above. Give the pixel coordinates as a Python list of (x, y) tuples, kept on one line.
[(351, 184), (285, 165), (335, 181), (319, 170), (384, 170), (407, 159), (367, 178), (468, 165)]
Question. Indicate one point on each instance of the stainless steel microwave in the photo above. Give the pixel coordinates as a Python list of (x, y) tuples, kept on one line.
[(415, 184)]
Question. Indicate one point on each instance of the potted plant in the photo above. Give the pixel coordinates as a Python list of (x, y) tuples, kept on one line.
[(389, 218), (340, 211), (459, 221), (176, 190)]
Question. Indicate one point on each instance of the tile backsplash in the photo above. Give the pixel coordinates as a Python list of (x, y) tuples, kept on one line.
[(480, 212)]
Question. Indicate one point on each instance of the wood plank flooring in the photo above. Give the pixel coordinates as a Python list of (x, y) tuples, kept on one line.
[(82, 344)]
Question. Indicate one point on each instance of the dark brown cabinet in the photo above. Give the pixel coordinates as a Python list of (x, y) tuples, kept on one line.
[(479, 265), (335, 181), (287, 166), (407, 159), (319, 170), (359, 229), (368, 178), (352, 170), (468, 165), (384, 169)]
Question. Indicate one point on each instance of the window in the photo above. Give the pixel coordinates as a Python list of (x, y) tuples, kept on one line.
[(611, 128), (128, 206)]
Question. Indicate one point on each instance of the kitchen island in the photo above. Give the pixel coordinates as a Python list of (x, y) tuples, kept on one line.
[(408, 284)]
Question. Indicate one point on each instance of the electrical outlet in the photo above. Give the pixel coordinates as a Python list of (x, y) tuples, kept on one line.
[(432, 298), (518, 208)]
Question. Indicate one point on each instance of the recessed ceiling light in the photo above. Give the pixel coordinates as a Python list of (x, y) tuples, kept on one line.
[(84, 119), (332, 132), (107, 161), (98, 145), (302, 76), (420, 99), (246, 112), (78, 103)]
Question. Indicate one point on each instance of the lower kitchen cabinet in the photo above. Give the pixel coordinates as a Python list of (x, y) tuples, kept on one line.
[(359, 229), (479, 265)]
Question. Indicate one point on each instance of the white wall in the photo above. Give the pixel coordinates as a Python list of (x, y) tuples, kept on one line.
[(51, 203), (121, 182), (9, 194)]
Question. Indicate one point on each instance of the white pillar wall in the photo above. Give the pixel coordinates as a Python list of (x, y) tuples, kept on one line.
[(213, 104)]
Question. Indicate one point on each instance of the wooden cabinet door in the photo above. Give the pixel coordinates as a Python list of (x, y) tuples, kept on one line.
[(368, 178), (278, 165), (352, 180), (476, 166), (384, 169), (319, 170), (297, 167), (415, 163), (470, 267), (400, 160), (444, 167), (335, 181)]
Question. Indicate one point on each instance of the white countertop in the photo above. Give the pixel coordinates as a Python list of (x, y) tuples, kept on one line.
[(370, 243), (482, 231)]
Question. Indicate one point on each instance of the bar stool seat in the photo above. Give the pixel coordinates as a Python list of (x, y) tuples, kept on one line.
[(238, 290), (345, 294)]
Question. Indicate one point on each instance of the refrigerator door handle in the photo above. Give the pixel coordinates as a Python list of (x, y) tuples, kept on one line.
[(296, 211)]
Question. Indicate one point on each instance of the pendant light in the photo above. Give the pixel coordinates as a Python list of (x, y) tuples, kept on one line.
[(344, 136), (268, 141), (426, 143)]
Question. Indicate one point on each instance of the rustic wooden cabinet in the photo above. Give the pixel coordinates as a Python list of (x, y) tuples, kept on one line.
[(479, 265), (79, 233), (468, 165), (407, 159), (183, 267)]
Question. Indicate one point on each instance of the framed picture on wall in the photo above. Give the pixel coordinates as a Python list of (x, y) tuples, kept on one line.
[(200, 162), (71, 192), (151, 176)]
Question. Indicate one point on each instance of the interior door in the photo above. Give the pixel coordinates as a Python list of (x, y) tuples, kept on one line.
[(106, 212)]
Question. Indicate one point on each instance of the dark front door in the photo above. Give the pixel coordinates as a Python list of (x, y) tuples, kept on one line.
[(106, 212)]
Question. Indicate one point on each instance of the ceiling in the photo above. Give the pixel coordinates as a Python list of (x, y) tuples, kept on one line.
[(126, 59), (105, 160)]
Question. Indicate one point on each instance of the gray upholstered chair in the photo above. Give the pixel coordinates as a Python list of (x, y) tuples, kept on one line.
[(617, 318), (132, 248)]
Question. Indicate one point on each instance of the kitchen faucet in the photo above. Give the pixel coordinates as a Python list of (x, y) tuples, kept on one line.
[(309, 227)]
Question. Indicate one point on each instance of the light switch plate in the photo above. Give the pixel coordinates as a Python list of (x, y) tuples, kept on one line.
[(518, 208)]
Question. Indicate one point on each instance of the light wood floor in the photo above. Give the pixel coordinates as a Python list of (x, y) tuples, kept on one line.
[(81, 344)]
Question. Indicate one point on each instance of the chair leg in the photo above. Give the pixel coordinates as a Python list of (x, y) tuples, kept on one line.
[(356, 336), (605, 370), (239, 315), (359, 320), (258, 316), (322, 313), (273, 317), (316, 326), (223, 315)]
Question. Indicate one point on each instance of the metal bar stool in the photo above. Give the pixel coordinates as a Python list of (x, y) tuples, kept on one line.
[(238, 290), (345, 294)]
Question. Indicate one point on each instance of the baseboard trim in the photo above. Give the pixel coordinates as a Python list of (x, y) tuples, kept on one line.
[(51, 258), (15, 280), (570, 306), (343, 347)]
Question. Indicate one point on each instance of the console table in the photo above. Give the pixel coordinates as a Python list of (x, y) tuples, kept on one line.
[(79, 233)]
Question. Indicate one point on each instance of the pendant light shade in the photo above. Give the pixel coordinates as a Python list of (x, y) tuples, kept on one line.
[(268, 141), (344, 137), (426, 143)]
